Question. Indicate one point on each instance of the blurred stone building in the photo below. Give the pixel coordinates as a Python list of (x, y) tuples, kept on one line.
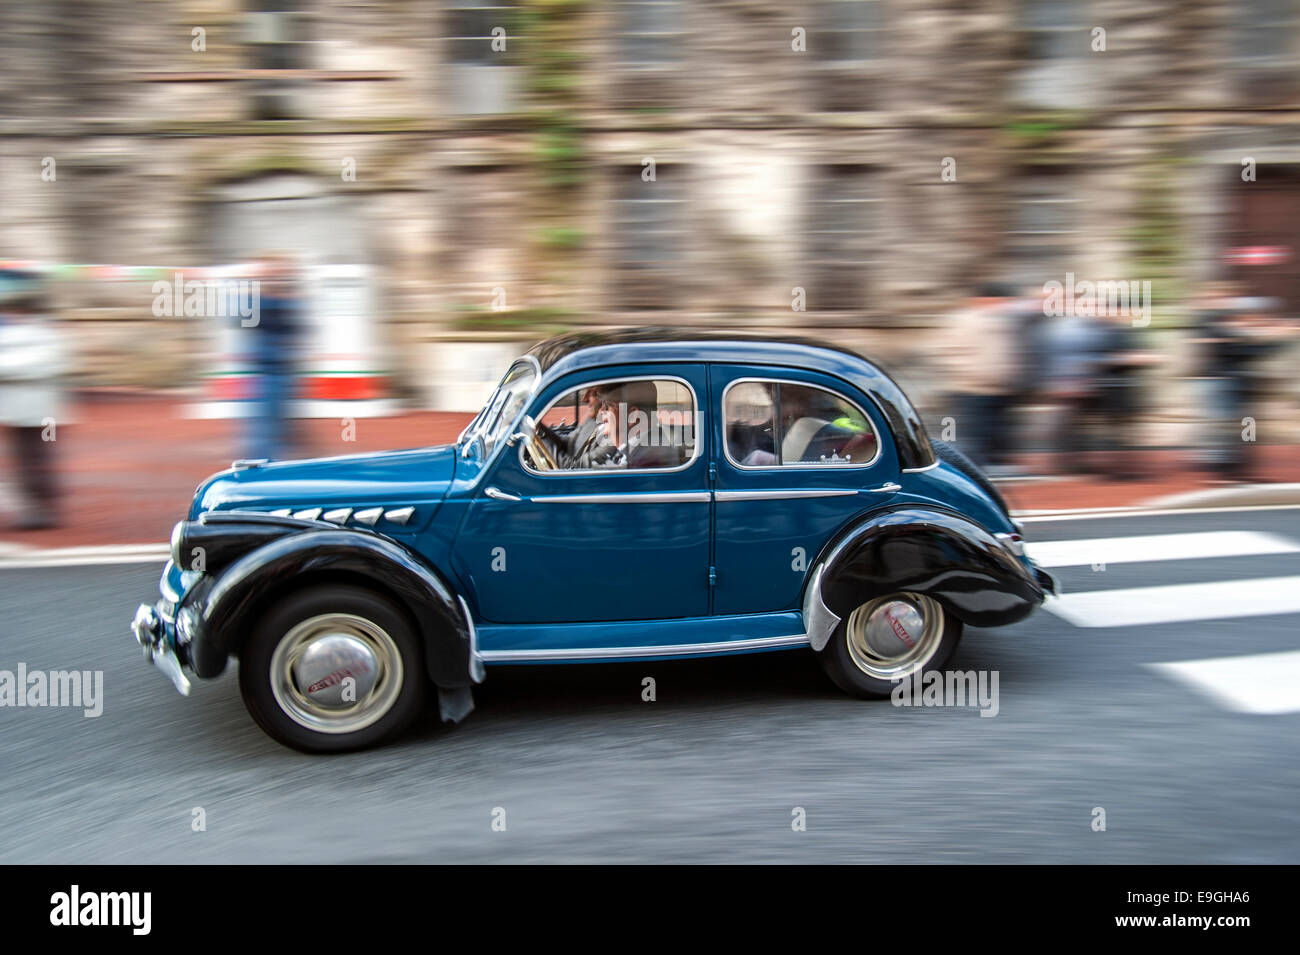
[(501, 169)]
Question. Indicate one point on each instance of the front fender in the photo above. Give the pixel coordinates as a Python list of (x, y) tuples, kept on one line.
[(924, 550), (229, 607)]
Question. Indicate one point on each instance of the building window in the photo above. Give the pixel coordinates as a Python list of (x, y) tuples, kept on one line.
[(277, 40), (483, 47), (1055, 38), (849, 31), (844, 50), (1044, 228), (649, 33), (1263, 47), (649, 237), (841, 220)]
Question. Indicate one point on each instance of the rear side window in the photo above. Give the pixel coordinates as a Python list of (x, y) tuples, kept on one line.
[(772, 424)]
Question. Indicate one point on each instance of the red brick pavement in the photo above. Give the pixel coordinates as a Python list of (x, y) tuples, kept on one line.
[(129, 464)]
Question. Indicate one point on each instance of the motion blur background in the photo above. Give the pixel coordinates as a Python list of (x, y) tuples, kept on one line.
[(457, 180)]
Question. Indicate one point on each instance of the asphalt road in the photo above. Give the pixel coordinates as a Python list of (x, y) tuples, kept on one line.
[(710, 771)]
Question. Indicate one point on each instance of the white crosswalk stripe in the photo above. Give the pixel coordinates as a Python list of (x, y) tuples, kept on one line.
[(1266, 683), (1133, 550), (1178, 603), (1258, 683)]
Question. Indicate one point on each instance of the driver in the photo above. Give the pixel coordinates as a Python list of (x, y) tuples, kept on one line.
[(585, 436), (628, 413)]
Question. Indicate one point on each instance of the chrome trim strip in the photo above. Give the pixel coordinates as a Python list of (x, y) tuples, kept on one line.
[(928, 467), (475, 657), (674, 650), (1012, 542), (682, 497), (589, 472), (818, 620), (780, 495), (722, 410)]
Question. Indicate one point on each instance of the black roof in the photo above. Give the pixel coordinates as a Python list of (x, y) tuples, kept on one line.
[(628, 345), (552, 350)]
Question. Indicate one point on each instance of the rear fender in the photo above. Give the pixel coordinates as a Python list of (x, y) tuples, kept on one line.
[(923, 550)]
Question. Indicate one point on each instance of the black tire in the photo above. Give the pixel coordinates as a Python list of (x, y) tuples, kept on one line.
[(390, 711), (958, 459), (838, 660)]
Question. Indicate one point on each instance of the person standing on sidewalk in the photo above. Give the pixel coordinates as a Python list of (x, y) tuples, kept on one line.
[(1073, 350), (31, 394), (1216, 376), (275, 340), (980, 358)]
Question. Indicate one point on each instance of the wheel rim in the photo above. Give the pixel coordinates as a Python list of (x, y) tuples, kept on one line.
[(313, 661), (893, 637)]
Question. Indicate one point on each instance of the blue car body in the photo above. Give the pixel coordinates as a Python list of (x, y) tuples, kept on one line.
[(499, 563)]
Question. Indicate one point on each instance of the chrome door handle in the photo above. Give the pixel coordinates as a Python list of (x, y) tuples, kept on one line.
[(889, 488), (501, 495)]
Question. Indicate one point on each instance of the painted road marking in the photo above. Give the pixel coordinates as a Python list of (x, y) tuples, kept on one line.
[(1178, 603), (1132, 550), (15, 556), (1261, 683)]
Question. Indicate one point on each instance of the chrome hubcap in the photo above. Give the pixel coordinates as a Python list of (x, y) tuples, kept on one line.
[(336, 673), (893, 637)]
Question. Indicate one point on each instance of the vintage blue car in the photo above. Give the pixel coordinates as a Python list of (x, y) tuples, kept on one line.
[(630, 496)]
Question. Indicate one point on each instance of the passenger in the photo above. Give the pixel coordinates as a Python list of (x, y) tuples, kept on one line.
[(750, 426)]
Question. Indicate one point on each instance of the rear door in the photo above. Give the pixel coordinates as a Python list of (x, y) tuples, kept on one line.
[(797, 455)]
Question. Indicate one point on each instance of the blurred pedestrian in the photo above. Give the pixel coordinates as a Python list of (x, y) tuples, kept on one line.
[(32, 364), (1115, 400), (1215, 375), (275, 342), (1074, 343), (980, 357), (1235, 336)]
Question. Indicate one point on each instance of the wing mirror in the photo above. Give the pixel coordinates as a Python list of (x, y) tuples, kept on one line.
[(526, 429)]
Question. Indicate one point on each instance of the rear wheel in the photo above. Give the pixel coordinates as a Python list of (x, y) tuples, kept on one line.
[(887, 639), (333, 669)]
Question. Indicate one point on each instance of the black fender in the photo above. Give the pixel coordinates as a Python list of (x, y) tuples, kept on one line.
[(227, 608), (925, 550)]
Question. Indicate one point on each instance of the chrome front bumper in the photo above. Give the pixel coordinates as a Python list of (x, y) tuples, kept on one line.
[(150, 633)]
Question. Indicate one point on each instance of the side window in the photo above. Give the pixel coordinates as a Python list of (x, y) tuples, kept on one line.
[(626, 424), (781, 423)]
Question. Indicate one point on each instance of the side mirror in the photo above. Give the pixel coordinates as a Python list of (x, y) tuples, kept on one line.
[(527, 427)]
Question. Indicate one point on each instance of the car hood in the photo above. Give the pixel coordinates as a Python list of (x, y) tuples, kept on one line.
[(382, 479)]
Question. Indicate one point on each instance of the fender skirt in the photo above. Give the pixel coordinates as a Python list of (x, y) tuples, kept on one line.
[(227, 610), (923, 550)]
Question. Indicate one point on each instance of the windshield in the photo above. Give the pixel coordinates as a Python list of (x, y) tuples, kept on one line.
[(507, 402)]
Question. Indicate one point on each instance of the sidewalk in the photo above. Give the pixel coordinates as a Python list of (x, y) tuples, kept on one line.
[(129, 464)]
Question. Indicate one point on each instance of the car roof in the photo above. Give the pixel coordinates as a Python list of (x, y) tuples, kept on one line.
[(579, 350)]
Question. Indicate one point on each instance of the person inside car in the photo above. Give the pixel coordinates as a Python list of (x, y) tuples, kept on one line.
[(629, 414)]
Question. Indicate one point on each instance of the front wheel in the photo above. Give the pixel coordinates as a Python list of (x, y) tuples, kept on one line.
[(332, 669), (888, 639)]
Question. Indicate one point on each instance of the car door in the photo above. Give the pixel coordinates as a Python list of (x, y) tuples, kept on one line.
[(623, 535), (798, 454)]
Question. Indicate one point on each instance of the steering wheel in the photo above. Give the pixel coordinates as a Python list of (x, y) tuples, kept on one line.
[(541, 454)]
